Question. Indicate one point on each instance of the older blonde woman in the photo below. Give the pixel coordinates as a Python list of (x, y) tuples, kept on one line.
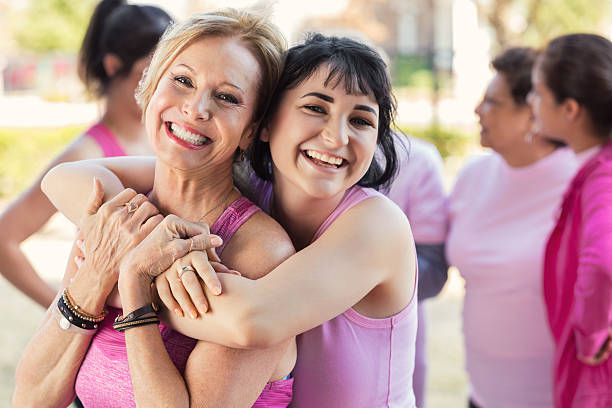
[(209, 82)]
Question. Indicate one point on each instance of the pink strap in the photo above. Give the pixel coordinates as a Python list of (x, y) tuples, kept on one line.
[(106, 140), (232, 218)]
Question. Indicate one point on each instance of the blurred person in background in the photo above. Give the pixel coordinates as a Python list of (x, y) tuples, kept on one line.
[(572, 102), (113, 55), (418, 190), (501, 211)]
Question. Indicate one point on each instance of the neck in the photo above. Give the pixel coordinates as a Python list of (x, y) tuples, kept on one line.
[(301, 215), (200, 195), (120, 118), (524, 154), (584, 140)]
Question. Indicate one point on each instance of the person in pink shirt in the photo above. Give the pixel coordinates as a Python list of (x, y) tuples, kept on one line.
[(113, 55), (501, 211), (350, 290), (572, 102)]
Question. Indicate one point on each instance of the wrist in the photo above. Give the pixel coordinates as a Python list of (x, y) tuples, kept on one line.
[(90, 298), (134, 291)]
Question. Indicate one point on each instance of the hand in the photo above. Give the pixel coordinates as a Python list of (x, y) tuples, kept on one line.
[(172, 239), (108, 232), (180, 289), (602, 355)]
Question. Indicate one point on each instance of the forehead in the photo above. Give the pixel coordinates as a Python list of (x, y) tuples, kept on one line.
[(321, 81), (224, 58), (499, 87)]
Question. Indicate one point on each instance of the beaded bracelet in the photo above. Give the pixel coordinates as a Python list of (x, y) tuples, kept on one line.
[(71, 318), (77, 311), (122, 326), (137, 318)]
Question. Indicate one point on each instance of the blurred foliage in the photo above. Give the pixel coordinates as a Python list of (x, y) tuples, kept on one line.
[(24, 153), (52, 25), (535, 22), (450, 141), (413, 71)]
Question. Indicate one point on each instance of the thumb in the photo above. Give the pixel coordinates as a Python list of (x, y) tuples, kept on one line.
[(95, 198), (203, 242)]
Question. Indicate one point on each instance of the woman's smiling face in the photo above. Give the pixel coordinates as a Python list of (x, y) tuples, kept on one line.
[(322, 139), (203, 105)]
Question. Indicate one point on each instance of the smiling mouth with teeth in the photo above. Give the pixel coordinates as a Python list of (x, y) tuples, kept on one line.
[(323, 159), (187, 136)]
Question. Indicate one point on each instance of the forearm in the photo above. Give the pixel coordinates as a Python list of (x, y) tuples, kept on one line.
[(155, 378), (46, 373), (16, 268), (433, 269)]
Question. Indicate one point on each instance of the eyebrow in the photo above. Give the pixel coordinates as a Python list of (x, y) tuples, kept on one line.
[(223, 83), (329, 99)]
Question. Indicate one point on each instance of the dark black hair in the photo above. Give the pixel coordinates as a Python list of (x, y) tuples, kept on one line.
[(579, 66), (359, 69), (516, 64), (128, 31)]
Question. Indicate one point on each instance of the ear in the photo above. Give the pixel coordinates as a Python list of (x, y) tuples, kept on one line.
[(112, 64), (571, 109), (247, 136), (265, 134)]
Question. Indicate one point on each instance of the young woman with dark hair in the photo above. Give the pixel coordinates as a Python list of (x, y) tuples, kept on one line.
[(113, 55), (572, 102), (351, 287)]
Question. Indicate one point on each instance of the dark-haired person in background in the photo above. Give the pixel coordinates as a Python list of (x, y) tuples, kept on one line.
[(113, 55), (501, 211), (572, 102)]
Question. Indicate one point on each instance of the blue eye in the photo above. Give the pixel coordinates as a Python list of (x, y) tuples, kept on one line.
[(228, 98), (183, 80)]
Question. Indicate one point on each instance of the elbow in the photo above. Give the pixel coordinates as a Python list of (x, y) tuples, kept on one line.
[(50, 180), (253, 330)]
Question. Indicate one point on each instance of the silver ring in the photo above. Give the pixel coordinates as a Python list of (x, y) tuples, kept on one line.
[(185, 269), (131, 207)]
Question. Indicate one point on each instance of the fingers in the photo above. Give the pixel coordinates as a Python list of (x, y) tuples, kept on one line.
[(151, 223), (206, 272), (119, 200), (95, 198), (165, 293), (145, 210), (185, 229), (179, 292), (195, 291), (204, 241), (212, 254)]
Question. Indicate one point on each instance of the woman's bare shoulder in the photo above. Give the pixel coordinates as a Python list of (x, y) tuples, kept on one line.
[(258, 246)]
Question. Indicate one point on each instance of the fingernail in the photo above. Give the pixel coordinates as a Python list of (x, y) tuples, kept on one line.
[(216, 241), (178, 312), (216, 290), (235, 272), (203, 308), (193, 314)]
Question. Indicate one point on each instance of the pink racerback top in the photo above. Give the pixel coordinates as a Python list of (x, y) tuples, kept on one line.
[(353, 360), (106, 140), (104, 378)]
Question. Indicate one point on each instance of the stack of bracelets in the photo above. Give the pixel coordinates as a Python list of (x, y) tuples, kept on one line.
[(75, 316), (139, 317)]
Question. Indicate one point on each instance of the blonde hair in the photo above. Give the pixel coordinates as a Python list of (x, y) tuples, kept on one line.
[(260, 36)]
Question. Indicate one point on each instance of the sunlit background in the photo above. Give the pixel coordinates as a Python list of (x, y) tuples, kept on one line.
[(438, 52)]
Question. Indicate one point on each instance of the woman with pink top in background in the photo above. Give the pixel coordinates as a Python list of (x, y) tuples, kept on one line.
[(113, 54), (572, 102), (501, 211), (350, 290)]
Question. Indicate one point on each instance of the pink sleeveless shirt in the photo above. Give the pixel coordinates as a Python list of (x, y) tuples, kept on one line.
[(106, 140), (104, 378), (352, 360)]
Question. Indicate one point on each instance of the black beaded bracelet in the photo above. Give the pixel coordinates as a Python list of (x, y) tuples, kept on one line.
[(122, 326), (73, 318), (137, 318)]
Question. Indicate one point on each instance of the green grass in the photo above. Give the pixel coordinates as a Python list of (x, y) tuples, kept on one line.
[(25, 152), (449, 141)]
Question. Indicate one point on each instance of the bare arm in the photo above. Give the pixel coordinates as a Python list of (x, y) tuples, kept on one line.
[(213, 371), (24, 217), (69, 184), (317, 283)]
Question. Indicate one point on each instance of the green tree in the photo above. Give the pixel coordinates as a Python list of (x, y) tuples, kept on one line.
[(534, 22), (52, 25)]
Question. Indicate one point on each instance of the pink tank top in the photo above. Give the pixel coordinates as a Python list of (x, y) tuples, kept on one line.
[(352, 360), (104, 378), (106, 140)]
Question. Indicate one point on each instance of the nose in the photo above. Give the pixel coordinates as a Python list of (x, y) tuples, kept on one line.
[(336, 133), (198, 107), (478, 108), (530, 98)]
